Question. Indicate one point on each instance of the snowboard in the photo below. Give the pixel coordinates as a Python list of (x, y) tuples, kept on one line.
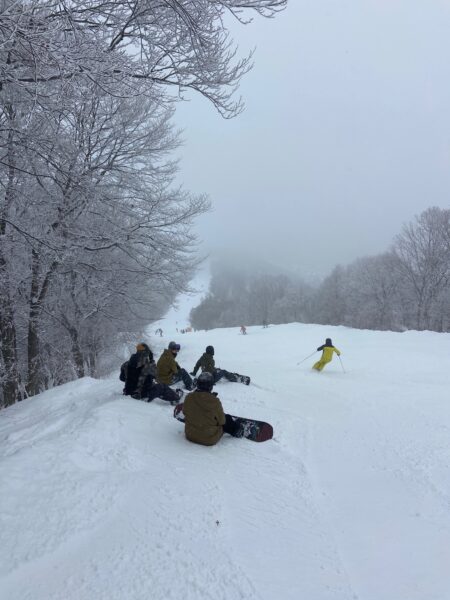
[(250, 429), (243, 379)]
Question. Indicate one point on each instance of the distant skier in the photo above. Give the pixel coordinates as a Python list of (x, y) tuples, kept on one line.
[(139, 372), (205, 421), (264, 324), (168, 371), (159, 332), (327, 354), (207, 364), (243, 330)]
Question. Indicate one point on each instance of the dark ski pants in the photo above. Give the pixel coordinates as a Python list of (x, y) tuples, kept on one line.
[(230, 426), (184, 376), (163, 391), (219, 373)]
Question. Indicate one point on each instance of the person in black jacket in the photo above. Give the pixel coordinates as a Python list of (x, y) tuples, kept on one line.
[(207, 364), (139, 374)]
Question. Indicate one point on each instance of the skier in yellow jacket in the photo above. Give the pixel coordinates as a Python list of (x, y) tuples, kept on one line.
[(327, 354)]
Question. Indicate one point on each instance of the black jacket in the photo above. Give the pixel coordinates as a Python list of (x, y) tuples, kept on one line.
[(140, 373)]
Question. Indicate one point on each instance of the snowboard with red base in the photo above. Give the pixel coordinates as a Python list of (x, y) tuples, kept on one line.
[(256, 431)]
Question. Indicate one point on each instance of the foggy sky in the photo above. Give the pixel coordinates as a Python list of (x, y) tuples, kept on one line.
[(345, 136)]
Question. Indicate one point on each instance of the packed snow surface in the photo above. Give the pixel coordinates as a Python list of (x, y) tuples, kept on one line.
[(103, 498)]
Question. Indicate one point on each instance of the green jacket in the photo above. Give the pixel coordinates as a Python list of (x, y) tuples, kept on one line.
[(166, 367), (206, 363), (204, 418)]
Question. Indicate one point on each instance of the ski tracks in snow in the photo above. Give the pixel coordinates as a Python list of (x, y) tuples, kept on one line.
[(386, 513), (288, 532), (115, 510), (44, 498), (105, 498), (102, 496)]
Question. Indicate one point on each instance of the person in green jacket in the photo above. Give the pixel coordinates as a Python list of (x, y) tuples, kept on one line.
[(168, 371), (327, 354), (207, 364), (204, 419)]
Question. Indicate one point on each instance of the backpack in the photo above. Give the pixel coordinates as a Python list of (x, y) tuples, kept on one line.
[(123, 371)]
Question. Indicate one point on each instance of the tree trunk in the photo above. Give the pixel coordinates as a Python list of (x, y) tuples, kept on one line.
[(37, 297), (77, 354), (11, 382), (32, 385), (92, 363)]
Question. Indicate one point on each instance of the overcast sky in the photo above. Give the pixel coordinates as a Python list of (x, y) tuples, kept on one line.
[(345, 136)]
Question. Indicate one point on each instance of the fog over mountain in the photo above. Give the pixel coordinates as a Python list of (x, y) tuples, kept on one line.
[(344, 137)]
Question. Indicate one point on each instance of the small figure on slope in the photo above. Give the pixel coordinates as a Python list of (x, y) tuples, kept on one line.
[(207, 364), (243, 329), (327, 354), (139, 372), (168, 371), (205, 421)]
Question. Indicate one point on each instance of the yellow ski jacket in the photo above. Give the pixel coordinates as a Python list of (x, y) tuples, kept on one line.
[(327, 353)]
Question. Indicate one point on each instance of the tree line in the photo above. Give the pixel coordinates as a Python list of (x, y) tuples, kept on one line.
[(95, 237), (407, 287)]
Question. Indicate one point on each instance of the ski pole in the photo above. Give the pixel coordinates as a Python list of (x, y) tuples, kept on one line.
[(342, 364), (299, 363)]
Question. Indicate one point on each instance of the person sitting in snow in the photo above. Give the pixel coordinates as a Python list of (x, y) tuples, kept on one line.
[(204, 419), (207, 364), (168, 371), (327, 354), (138, 373)]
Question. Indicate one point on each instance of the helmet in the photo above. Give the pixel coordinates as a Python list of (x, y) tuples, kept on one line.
[(174, 346), (205, 382), (210, 350), (328, 341)]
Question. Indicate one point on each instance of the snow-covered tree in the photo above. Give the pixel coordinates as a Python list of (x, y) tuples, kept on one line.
[(422, 253), (93, 234)]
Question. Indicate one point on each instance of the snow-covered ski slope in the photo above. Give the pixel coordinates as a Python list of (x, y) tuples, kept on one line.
[(102, 498)]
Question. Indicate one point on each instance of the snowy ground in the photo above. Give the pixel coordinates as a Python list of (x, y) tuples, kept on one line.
[(102, 498)]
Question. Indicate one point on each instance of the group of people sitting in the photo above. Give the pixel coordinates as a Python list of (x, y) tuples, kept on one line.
[(146, 380), (204, 417)]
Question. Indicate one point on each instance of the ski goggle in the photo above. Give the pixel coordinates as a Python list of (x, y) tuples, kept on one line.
[(175, 347)]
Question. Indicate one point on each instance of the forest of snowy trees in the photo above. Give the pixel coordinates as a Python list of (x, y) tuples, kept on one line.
[(407, 287), (95, 238)]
